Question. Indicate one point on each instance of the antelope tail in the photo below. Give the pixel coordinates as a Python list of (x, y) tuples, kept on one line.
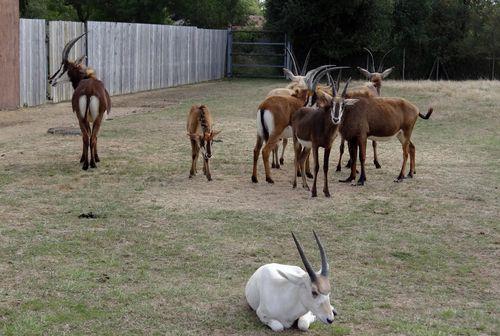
[(427, 115), (264, 126)]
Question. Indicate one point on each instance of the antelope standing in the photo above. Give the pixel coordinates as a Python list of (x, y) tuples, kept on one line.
[(297, 78), (282, 294), (317, 127), (379, 119), (90, 101), (274, 122), (201, 134), (375, 77)]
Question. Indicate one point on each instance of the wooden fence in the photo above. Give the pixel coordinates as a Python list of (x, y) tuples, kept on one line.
[(32, 62), (127, 57)]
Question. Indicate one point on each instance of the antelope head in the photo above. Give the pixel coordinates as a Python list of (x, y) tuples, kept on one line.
[(76, 69), (314, 286), (205, 141), (298, 75), (339, 102), (376, 76), (319, 97)]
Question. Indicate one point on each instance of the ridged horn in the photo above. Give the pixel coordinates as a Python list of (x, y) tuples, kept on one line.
[(68, 46), (306, 262), (294, 62), (373, 60), (345, 87), (381, 65), (306, 63), (324, 260)]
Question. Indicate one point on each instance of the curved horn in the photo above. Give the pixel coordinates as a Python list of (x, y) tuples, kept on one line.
[(319, 75), (373, 61), (381, 65), (68, 47), (306, 62), (294, 61), (345, 87), (338, 80), (306, 262), (324, 261), (311, 74)]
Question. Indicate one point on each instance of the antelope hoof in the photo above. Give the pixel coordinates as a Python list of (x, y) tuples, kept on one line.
[(254, 179), (314, 194), (97, 158), (191, 175), (277, 166), (294, 185), (306, 187), (282, 161), (410, 175), (269, 180), (308, 174), (209, 178), (377, 165), (273, 165), (339, 168), (347, 180), (348, 165), (360, 182), (299, 174), (327, 193), (85, 166), (93, 165), (400, 178)]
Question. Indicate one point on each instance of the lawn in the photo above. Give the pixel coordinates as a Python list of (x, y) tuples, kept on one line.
[(171, 255)]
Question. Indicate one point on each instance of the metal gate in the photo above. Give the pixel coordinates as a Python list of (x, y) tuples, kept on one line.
[(257, 53)]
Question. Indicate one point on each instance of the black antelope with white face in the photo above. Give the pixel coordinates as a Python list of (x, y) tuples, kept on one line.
[(90, 101), (201, 134), (318, 127)]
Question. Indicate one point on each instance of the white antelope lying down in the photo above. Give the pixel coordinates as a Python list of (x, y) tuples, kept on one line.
[(283, 294)]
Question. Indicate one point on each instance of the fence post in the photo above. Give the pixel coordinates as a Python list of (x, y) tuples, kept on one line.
[(229, 52), (9, 54)]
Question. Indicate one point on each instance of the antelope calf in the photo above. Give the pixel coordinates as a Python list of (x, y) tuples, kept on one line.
[(201, 134), (314, 128), (379, 119), (90, 101), (282, 294)]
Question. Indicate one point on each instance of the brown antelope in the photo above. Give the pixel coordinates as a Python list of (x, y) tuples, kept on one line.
[(318, 127), (372, 88), (274, 122), (90, 101), (297, 78), (201, 134), (379, 119)]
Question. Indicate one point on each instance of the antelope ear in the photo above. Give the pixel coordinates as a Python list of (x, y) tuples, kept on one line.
[(350, 102), (295, 279), (365, 72), (387, 72), (290, 74)]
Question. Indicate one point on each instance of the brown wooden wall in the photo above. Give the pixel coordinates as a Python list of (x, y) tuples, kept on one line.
[(9, 54)]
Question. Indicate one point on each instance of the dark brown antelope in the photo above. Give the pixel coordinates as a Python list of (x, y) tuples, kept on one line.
[(318, 127), (90, 101), (274, 119), (201, 134), (373, 88), (379, 119)]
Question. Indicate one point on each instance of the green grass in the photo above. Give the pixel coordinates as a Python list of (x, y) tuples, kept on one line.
[(171, 255)]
